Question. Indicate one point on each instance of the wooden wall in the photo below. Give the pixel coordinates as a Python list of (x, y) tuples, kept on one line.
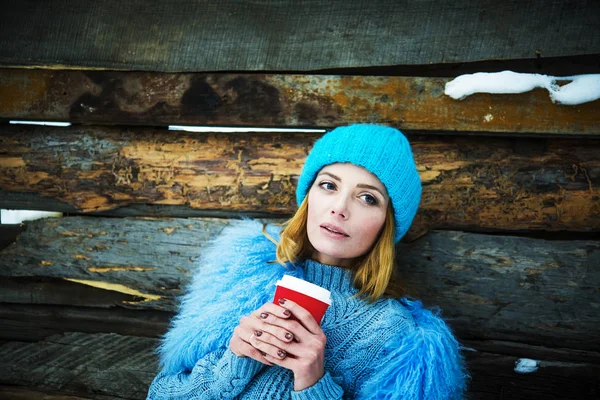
[(506, 241)]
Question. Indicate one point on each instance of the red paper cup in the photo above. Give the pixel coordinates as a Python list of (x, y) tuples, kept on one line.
[(313, 298)]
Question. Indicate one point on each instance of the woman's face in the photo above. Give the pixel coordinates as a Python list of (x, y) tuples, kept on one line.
[(346, 212)]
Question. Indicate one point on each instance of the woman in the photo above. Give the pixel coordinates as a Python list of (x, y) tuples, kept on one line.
[(358, 192)]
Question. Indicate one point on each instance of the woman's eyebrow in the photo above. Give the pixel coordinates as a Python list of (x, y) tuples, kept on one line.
[(365, 186), (331, 175)]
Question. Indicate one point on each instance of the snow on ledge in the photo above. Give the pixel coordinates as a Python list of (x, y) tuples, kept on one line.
[(18, 216), (526, 366), (581, 89)]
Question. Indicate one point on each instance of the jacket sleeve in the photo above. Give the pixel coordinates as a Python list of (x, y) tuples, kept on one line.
[(234, 277), (423, 364), (218, 375)]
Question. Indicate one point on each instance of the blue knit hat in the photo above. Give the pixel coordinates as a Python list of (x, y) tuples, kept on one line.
[(381, 150)]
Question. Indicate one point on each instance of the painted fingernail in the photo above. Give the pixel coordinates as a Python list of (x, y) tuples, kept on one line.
[(287, 313), (281, 354), (282, 301), (257, 333), (288, 336), (264, 315)]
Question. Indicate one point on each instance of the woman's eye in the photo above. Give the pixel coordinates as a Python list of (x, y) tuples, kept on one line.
[(327, 185), (370, 199)]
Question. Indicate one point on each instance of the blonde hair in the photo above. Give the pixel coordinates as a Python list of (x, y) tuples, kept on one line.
[(372, 272)]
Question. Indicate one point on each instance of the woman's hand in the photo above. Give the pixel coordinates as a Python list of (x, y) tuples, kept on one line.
[(305, 354), (255, 326)]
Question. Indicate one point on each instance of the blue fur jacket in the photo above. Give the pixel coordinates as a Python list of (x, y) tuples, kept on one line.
[(390, 349)]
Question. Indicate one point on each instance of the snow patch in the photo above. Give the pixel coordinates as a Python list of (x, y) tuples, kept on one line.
[(526, 366), (581, 89)]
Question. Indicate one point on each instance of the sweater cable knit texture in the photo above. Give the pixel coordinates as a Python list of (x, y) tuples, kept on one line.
[(355, 335)]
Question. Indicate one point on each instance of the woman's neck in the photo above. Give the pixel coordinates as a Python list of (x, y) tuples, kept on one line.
[(347, 263)]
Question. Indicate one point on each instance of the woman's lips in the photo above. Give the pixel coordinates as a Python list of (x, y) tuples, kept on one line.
[(333, 231)]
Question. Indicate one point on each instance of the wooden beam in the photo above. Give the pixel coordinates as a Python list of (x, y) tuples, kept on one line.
[(35, 322), (23, 393), (290, 35), (410, 103), (8, 234), (507, 287), (468, 182), (111, 365), (490, 287), (494, 377), (104, 262), (124, 366)]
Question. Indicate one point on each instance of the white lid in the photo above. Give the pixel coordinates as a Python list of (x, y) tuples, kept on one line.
[(305, 287)]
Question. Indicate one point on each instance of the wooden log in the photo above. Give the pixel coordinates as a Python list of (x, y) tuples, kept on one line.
[(522, 350), (490, 287), (8, 234), (289, 35), (508, 288), (103, 262), (409, 103), (35, 322), (473, 184), (21, 393), (494, 377), (111, 365), (124, 366)]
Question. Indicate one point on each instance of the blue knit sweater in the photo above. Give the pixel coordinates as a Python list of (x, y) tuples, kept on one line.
[(386, 350)]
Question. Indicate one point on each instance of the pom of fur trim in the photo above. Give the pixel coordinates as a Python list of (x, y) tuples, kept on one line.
[(423, 364), (235, 276)]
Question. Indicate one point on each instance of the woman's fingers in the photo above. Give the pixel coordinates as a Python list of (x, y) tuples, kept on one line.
[(268, 346), (267, 324), (241, 347), (302, 315), (272, 309), (270, 331)]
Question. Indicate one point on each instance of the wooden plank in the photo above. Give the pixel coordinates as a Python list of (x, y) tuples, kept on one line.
[(35, 322), (490, 287), (103, 262), (468, 183), (124, 366), (8, 234), (493, 377), (21, 393), (522, 350), (410, 103), (508, 288), (187, 35), (59, 291), (110, 365)]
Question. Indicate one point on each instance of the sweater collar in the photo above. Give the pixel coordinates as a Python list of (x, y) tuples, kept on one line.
[(332, 278)]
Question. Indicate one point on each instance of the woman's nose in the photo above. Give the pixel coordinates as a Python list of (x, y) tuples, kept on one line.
[(340, 207)]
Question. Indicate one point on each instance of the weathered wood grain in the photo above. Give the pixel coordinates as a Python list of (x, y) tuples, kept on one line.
[(522, 350), (187, 35), (103, 262), (8, 234), (124, 366), (468, 182), (22, 393), (493, 377), (490, 287), (143, 98), (509, 288), (35, 322), (93, 366)]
